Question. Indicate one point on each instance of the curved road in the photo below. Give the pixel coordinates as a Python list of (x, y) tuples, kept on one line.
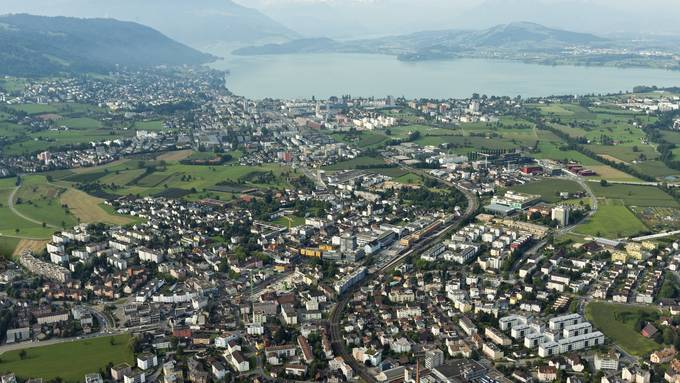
[(10, 204)]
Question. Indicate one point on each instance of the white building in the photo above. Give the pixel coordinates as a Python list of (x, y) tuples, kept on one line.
[(561, 215)]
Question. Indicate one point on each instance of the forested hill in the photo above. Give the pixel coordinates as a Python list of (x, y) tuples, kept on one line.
[(38, 45)]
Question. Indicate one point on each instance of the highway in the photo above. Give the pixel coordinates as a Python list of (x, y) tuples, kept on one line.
[(339, 347)]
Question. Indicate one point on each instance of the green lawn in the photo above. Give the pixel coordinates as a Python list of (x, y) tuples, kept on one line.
[(612, 221), (617, 322), (549, 189), (69, 361)]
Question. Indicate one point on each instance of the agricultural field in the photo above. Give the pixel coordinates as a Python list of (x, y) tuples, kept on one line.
[(609, 173), (177, 155), (362, 139), (170, 178), (656, 168), (356, 162), (36, 246), (13, 225), (658, 218), (612, 220), (72, 124), (552, 150), (633, 195), (151, 125), (40, 201), (12, 84), (88, 209), (617, 322), (549, 189), (612, 134), (48, 362)]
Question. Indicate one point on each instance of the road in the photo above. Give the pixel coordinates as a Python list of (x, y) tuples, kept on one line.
[(339, 347)]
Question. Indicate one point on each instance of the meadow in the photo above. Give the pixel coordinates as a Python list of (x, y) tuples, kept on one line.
[(77, 124), (617, 322), (612, 220), (160, 177), (82, 356), (549, 189)]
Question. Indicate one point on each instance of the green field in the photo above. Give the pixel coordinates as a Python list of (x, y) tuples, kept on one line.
[(40, 201), (7, 246), (617, 322), (69, 361), (612, 221), (409, 178), (610, 132), (292, 219), (10, 222), (633, 195), (132, 177), (152, 125), (12, 84), (549, 189), (362, 139), (75, 124), (655, 168), (356, 162)]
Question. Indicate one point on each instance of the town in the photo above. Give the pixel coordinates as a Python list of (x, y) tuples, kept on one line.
[(165, 229)]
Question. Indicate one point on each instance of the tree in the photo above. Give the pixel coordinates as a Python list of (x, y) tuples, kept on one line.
[(668, 336)]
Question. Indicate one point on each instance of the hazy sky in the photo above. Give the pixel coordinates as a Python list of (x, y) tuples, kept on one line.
[(350, 19), (355, 17)]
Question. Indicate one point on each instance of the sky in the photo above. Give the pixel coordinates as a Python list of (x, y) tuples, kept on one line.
[(354, 18)]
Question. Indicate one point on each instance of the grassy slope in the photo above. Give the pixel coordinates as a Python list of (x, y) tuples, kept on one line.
[(617, 323)]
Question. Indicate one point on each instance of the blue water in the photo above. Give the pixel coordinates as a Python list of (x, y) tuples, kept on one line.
[(324, 75)]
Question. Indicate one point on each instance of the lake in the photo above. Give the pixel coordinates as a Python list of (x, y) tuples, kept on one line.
[(325, 75)]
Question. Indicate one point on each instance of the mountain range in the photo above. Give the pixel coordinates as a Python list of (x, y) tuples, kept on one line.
[(38, 45), (520, 36), (199, 23)]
